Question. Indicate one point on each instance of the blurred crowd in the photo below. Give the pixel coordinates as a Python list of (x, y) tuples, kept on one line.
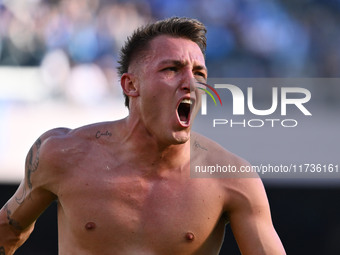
[(76, 43)]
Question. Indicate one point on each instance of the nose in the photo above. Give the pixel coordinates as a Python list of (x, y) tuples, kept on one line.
[(188, 82)]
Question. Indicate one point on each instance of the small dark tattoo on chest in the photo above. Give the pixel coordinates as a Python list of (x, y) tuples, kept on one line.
[(2, 251), (197, 145), (100, 134)]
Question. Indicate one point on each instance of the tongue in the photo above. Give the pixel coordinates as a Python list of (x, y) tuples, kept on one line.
[(182, 115)]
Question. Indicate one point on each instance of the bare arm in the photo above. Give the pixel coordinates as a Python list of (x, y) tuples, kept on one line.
[(245, 201), (250, 219), (17, 220), (18, 216)]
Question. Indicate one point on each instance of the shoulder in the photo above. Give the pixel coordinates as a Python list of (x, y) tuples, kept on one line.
[(45, 143), (51, 141), (241, 188), (68, 142), (60, 144), (45, 146), (210, 152), (58, 150)]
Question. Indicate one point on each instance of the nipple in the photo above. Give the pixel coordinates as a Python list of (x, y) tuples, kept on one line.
[(190, 236), (90, 226)]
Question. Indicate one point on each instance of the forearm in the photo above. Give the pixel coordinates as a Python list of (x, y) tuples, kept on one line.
[(11, 238)]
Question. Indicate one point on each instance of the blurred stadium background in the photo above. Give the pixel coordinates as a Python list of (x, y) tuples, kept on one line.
[(58, 68)]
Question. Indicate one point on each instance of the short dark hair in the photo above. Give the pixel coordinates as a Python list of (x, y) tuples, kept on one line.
[(191, 29)]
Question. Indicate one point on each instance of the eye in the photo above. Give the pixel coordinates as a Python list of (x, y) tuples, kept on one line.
[(170, 68), (200, 76)]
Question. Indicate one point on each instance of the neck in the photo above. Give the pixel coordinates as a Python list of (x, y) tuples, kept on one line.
[(149, 152)]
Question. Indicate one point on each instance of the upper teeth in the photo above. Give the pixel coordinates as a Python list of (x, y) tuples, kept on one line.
[(186, 101)]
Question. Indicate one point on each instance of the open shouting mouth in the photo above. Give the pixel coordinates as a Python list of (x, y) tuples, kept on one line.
[(184, 111)]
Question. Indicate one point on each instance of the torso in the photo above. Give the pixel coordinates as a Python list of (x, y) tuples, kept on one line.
[(108, 206)]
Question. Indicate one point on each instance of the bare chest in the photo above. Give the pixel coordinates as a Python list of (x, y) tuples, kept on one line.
[(113, 207)]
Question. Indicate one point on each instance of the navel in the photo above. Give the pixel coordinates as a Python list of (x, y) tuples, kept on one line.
[(90, 226), (189, 236)]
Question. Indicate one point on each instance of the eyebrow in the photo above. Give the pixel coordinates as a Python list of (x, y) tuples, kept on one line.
[(180, 63)]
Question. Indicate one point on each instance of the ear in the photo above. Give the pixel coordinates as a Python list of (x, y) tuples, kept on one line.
[(128, 83)]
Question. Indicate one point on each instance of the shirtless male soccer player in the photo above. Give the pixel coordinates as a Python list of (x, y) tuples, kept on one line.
[(124, 187)]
